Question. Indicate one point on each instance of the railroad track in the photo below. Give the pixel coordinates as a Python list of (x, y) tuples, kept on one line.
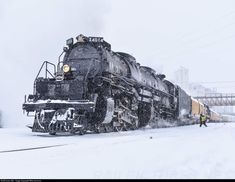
[(30, 149)]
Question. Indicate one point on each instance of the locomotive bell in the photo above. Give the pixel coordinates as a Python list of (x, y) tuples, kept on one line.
[(81, 38), (66, 68)]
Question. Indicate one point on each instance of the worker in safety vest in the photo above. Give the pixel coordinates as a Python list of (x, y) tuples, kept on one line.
[(203, 120)]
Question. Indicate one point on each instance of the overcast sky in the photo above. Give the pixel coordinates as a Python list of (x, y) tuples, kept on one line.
[(196, 34)]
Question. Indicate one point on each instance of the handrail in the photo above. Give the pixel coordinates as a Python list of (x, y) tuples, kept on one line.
[(59, 61), (46, 71)]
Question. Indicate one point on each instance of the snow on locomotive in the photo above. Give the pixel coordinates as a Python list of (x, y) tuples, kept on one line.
[(96, 89)]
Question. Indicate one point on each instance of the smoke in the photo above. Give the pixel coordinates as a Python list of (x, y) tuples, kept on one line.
[(33, 32), (2, 6)]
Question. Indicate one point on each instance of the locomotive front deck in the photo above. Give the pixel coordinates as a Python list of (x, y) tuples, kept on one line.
[(59, 104)]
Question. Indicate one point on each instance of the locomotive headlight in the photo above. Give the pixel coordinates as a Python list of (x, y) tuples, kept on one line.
[(66, 68)]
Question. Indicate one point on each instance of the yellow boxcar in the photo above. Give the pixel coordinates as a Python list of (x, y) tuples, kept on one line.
[(195, 107)]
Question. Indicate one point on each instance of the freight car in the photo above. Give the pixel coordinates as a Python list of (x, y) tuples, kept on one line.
[(199, 108), (96, 89), (215, 117)]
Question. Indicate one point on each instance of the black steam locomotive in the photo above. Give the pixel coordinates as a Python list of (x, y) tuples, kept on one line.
[(97, 90)]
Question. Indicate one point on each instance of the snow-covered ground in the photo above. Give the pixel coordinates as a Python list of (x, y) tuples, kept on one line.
[(182, 152)]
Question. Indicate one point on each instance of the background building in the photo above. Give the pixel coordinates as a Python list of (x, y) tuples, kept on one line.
[(181, 78)]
